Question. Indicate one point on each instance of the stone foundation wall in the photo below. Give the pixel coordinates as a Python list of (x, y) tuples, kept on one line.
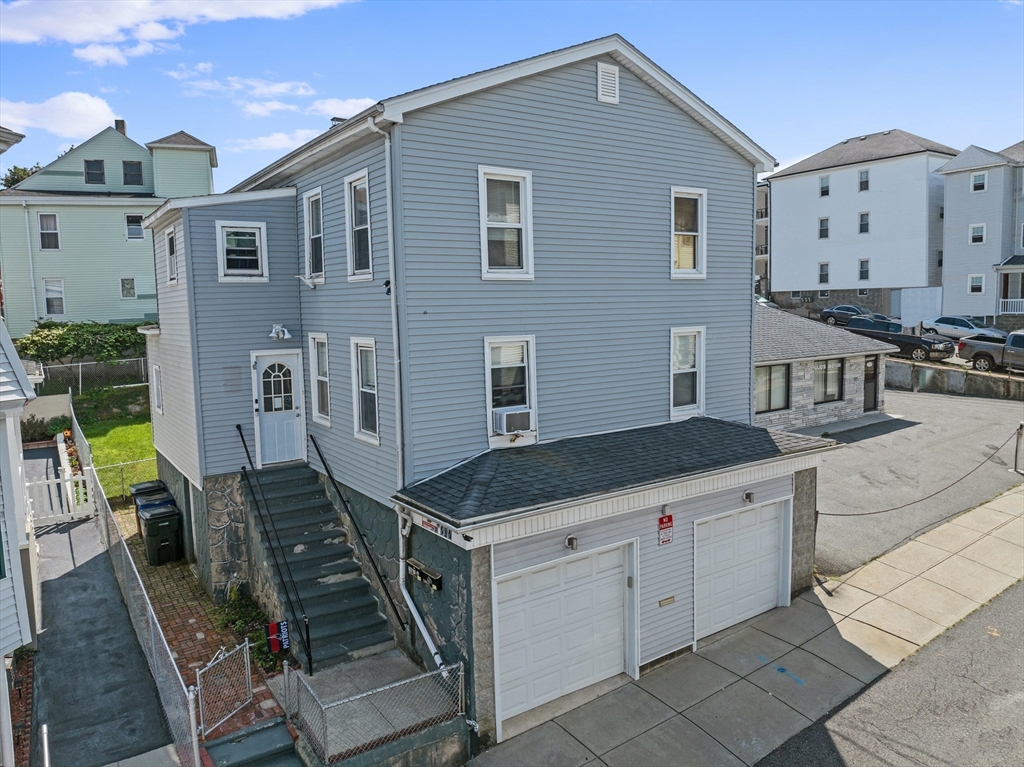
[(226, 530), (877, 299), (805, 525), (804, 413)]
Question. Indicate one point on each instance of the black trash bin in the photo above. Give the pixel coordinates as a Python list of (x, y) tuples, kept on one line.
[(161, 531), (150, 500)]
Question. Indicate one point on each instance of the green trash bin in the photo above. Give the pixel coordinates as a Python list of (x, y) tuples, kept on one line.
[(161, 529)]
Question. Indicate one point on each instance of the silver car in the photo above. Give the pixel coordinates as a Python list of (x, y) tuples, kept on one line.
[(960, 327)]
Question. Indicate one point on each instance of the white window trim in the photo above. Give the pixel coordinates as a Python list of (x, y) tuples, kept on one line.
[(261, 227), (700, 273), (868, 179), (862, 292), (39, 227), (355, 344), (970, 182), (689, 411), (355, 178), (507, 440), (863, 261), (827, 185), (525, 178), (828, 273), (970, 234), (314, 377), (828, 229), (823, 293), (864, 213), (128, 236), (135, 284), (971, 277), (63, 297), (158, 390), (320, 278), (603, 69), (169, 233)]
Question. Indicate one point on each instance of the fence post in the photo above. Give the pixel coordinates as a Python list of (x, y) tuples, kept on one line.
[(194, 729), (287, 696), (122, 482), (79, 377)]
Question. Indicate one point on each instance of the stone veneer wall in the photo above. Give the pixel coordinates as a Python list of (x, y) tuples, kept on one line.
[(804, 413), (805, 525), (226, 531)]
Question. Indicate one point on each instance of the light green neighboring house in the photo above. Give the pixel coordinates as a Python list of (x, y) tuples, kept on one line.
[(72, 245)]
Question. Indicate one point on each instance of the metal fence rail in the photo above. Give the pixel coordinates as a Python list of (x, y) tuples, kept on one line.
[(225, 687), (86, 376), (344, 728), (117, 478)]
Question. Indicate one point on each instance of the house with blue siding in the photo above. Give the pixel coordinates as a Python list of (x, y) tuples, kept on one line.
[(471, 373), (72, 244)]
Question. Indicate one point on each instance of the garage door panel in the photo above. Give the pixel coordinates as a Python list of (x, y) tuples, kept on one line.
[(544, 580), (609, 561), (510, 589)]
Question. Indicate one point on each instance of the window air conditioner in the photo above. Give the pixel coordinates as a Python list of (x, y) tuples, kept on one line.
[(512, 420)]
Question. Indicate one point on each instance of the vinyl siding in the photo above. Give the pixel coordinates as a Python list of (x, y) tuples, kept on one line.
[(664, 571), (182, 172), (344, 310), (234, 318), (12, 631), (95, 253), (601, 305), (936, 200), (175, 431), (67, 173)]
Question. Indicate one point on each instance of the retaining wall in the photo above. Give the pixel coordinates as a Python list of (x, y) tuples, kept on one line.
[(945, 379)]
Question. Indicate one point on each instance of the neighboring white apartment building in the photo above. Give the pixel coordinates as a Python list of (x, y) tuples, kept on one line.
[(983, 271), (859, 222), (762, 240)]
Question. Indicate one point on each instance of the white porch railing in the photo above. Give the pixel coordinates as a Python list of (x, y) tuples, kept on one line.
[(1011, 306)]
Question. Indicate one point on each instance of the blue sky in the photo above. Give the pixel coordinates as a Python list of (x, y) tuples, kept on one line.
[(257, 78)]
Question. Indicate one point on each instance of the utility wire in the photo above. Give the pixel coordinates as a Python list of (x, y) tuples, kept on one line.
[(919, 500)]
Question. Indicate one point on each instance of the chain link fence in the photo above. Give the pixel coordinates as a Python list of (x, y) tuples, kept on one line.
[(87, 376), (117, 478), (225, 686), (344, 728)]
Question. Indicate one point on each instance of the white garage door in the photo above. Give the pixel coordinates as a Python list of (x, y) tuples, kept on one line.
[(561, 627), (737, 567)]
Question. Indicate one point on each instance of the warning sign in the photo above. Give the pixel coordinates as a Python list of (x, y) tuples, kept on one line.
[(664, 530)]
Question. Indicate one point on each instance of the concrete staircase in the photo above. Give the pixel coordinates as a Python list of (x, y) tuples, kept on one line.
[(346, 619), (265, 745)]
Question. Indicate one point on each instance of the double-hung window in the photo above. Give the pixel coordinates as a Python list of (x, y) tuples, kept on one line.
[(128, 287), (158, 390), (171, 251), (977, 234), (864, 181), (314, 223), (689, 232), (822, 228), (865, 269), (132, 172), (864, 224), (320, 381), (979, 182), (823, 274), (771, 388), (94, 172), (828, 380), (53, 295), (49, 232), (687, 372), (976, 284), (242, 251), (357, 226), (364, 389), (823, 186), (133, 226), (506, 223), (511, 386)]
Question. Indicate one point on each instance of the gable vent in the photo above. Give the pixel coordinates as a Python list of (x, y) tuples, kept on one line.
[(607, 83)]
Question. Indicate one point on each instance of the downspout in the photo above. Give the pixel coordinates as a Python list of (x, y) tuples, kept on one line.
[(31, 267), (404, 526)]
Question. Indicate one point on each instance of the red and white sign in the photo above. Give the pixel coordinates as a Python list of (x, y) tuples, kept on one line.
[(664, 530)]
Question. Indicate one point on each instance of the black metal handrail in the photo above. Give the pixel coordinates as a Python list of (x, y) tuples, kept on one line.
[(355, 526), (304, 638)]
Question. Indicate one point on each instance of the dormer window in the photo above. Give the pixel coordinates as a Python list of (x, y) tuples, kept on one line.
[(132, 172)]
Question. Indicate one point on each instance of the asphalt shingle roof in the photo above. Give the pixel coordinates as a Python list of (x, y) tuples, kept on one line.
[(1013, 261), (180, 139), (16, 192), (1014, 153), (859, 149), (780, 336), (503, 482)]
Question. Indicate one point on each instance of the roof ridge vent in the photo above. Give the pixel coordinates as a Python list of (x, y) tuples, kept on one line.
[(845, 141), (886, 132), (863, 137)]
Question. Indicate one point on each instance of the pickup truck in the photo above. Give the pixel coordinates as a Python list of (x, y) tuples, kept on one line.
[(918, 348), (986, 354)]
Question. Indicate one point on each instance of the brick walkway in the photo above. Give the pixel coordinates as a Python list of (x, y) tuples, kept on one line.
[(185, 612), (21, 708)]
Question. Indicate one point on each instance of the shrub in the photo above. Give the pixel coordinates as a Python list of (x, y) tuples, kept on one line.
[(243, 616), (52, 341), (112, 404), (34, 429)]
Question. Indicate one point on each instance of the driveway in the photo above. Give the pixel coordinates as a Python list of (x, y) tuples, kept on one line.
[(938, 439)]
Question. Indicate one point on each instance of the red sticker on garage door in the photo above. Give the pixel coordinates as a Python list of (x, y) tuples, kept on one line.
[(664, 529)]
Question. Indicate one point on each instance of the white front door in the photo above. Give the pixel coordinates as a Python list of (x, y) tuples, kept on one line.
[(277, 396), (737, 567), (561, 627)]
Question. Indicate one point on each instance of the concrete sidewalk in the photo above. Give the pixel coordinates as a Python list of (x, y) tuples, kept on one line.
[(750, 688)]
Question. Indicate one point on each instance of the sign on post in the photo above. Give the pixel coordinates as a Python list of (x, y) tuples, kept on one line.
[(277, 636), (664, 529)]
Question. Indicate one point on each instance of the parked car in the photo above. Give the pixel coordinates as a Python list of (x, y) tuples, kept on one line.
[(840, 315), (765, 302), (960, 327), (986, 354), (918, 348)]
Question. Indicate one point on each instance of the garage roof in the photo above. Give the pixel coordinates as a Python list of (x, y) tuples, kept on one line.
[(518, 480), (780, 336)]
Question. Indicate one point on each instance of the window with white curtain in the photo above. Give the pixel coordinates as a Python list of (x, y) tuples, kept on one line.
[(53, 295), (771, 388), (49, 232), (506, 238), (689, 237)]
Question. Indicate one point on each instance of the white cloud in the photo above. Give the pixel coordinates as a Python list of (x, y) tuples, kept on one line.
[(70, 115), (265, 108), (251, 86), (274, 142), (339, 107), (92, 23)]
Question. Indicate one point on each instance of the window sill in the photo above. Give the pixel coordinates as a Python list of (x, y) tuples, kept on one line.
[(689, 275), (361, 277), (241, 278), (322, 421), (505, 440), (682, 414), (317, 280), (369, 439), (520, 276)]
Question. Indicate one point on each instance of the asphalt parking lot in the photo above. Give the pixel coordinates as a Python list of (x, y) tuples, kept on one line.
[(938, 439)]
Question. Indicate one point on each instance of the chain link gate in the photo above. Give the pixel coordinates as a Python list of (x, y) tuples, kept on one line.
[(225, 687)]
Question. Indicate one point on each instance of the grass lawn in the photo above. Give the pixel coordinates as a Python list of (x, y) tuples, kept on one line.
[(125, 439)]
